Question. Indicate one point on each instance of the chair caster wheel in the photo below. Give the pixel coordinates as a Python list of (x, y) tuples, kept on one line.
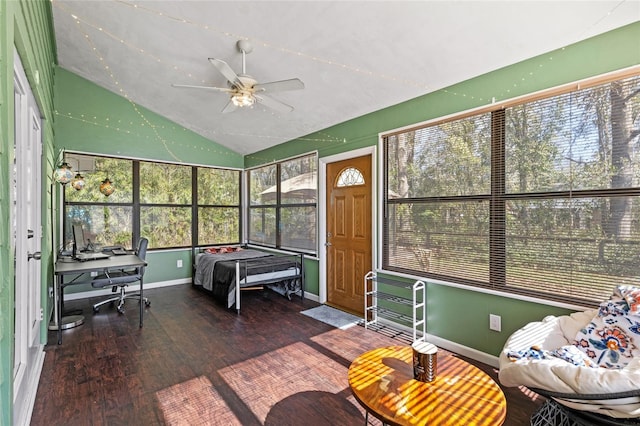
[(147, 303)]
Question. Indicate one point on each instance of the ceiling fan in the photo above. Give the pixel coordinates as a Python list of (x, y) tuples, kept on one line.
[(245, 90)]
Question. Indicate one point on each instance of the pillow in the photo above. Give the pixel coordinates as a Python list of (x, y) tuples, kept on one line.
[(611, 338), (575, 356), (631, 296), (228, 249), (567, 353)]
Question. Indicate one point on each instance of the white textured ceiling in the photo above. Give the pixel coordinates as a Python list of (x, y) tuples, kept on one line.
[(354, 57)]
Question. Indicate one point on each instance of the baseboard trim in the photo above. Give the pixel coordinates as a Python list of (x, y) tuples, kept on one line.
[(135, 287), (311, 296), (107, 291), (472, 353)]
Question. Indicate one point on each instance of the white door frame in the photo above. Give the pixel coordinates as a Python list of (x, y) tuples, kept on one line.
[(322, 212), (26, 241)]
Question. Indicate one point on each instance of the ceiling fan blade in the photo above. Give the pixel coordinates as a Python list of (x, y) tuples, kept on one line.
[(227, 72), (272, 103), (213, 89), (230, 107), (280, 86)]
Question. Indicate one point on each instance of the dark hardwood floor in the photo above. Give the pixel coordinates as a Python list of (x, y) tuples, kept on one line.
[(197, 363)]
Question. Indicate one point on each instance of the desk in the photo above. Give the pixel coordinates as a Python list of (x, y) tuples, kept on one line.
[(461, 394), (64, 266)]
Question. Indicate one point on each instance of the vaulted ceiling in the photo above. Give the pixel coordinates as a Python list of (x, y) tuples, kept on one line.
[(354, 57)]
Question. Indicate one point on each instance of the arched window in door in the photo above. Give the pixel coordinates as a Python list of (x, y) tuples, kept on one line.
[(350, 177)]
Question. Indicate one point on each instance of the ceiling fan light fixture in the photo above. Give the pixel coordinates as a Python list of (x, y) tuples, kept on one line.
[(242, 87), (243, 99)]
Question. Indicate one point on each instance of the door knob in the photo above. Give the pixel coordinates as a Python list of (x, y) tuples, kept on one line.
[(37, 256)]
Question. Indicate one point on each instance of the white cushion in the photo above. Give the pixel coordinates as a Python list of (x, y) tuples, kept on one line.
[(558, 375)]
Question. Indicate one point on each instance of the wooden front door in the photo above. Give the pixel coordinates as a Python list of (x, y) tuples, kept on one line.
[(349, 221)]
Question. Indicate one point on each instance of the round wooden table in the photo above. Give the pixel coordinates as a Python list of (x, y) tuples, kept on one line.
[(461, 394)]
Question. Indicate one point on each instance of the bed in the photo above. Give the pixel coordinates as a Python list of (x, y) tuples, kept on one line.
[(225, 271)]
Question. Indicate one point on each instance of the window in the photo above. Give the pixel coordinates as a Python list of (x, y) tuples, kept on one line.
[(538, 198), (218, 206), (282, 204), (155, 200), (165, 204), (105, 220)]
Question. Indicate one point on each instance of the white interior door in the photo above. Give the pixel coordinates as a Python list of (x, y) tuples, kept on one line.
[(27, 239)]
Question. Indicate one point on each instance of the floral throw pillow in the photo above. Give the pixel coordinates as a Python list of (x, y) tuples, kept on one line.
[(631, 296), (611, 338)]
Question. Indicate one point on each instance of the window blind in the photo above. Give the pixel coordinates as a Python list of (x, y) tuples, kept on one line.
[(536, 198)]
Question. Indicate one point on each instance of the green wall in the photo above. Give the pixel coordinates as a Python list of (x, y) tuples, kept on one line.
[(457, 314), (27, 27), (94, 120)]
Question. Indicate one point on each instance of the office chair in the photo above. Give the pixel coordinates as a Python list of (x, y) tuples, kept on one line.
[(121, 279)]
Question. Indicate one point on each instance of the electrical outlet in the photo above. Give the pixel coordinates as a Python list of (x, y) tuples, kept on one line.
[(495, 322), (94, 273), (179, 263)]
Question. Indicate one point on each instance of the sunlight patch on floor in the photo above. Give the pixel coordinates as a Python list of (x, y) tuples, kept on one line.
[(194, 402), (263, 381)]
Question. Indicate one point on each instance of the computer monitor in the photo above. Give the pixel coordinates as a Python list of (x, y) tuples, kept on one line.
[(79, 243)]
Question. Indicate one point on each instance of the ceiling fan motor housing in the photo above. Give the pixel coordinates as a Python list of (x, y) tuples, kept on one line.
[(244, 46)]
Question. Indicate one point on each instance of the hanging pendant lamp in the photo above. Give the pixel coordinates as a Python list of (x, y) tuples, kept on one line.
[(63, 173), (78, 182), (106, 187)]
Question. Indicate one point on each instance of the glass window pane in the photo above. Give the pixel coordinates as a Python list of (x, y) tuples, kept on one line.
[(95, 170), (218, 225), (564, 221), (298, 226), (449, 239), (165, 184), (103, 225), (449, 159), (262, 185), (218, 187), (298, 181), (262, 226), (350, 177), (579, 140), (561, 246), (166, 226)]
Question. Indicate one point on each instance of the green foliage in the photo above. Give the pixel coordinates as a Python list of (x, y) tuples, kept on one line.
[(164, 205), (162, 183), (218, 187), (562, 156), (119, 172)]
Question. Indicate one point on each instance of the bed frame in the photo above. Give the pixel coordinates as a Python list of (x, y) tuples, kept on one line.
[(253, 277)]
